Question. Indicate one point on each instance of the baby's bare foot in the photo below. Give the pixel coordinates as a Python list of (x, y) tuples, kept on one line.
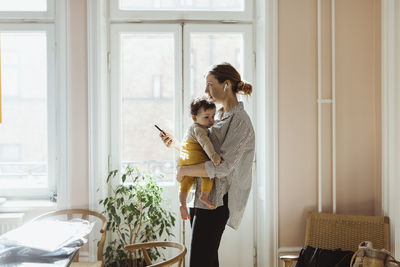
[(204, 199), (184, 213)]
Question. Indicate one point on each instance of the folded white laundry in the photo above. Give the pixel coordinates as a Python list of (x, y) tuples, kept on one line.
[(49, 235)]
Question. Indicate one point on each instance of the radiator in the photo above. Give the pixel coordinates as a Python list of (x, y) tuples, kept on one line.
[(9, 221)]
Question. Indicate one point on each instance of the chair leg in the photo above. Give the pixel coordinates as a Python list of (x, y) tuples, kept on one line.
[(288, 262)]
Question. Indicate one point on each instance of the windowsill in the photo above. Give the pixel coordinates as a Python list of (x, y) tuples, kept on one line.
[(27, 205)]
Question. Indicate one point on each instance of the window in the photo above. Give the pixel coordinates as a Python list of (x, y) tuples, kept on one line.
[(157, 86), (137, 100), (27, 9), (232, 10), (210, 44), (221, 5), (29, 143), (10, 152), (23, 5)]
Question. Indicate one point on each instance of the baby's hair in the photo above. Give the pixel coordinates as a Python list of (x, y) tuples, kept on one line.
[(201, 102)]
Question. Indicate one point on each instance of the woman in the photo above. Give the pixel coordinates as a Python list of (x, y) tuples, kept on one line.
[(233, 138)]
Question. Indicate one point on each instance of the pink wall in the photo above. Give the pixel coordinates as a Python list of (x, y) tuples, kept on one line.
[(357, 112), (358, 105), (78, 109), (297, 116)]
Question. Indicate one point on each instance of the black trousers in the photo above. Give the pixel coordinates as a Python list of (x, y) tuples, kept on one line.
[(207, 229)]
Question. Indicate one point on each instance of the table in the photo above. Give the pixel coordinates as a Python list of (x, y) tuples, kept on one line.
[(43, 243)]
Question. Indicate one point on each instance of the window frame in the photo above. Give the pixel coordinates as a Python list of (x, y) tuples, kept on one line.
[(117, 14), (54, 21), (22, 192), (31, 15)]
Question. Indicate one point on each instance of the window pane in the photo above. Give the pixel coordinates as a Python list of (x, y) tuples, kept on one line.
[(195, 5), (23, 5), (207, 49), (148, 82), (23, 138)]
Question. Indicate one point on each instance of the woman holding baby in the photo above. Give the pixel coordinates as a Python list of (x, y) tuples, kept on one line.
[(233, 139)]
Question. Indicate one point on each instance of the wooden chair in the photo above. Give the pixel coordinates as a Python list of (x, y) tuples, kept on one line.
[(168, 262), (333, 231), (85, 215)]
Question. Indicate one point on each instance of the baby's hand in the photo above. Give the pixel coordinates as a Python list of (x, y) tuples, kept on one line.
[(217, 160), (168, 139), (179, 173)]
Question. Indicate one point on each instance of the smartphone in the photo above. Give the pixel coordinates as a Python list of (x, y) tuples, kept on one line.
[(163, 133)]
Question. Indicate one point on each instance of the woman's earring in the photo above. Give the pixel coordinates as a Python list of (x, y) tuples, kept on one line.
[(225, 87)]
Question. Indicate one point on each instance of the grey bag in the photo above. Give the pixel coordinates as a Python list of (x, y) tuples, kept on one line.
[(367, 256)]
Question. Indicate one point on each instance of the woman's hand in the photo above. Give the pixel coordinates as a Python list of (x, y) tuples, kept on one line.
[(198, 170), (179, 173)]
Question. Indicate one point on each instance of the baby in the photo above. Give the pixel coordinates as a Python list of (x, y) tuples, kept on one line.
[(197, 148)]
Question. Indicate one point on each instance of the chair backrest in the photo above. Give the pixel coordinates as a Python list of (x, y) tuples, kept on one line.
[(333, 231), (168, 262), (85, 215)]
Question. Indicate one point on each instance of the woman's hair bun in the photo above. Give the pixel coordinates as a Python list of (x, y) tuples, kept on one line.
[(244, 87)]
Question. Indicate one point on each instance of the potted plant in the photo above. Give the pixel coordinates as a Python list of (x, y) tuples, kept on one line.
[(134, 215)]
